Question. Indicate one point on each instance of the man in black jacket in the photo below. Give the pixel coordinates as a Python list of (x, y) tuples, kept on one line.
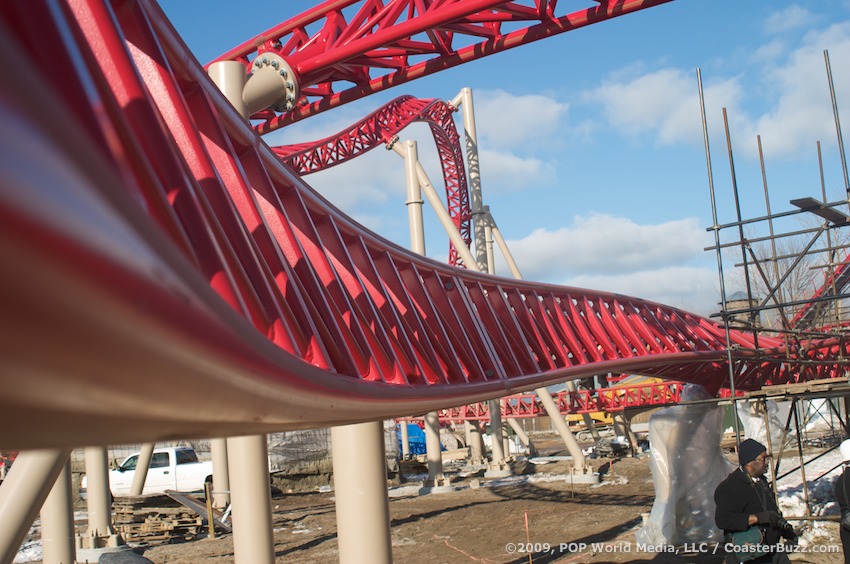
[(744, 499)]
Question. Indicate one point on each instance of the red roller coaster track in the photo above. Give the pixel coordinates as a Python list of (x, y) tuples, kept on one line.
[(610, 400), (165, 275), (380, 128), (343, 50)]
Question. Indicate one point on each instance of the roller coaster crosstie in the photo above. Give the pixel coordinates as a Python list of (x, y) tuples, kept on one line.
[(156, 250)]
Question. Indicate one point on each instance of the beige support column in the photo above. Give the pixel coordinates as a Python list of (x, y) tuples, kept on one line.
[(410, 152), (581, 473), (221, 475), (253, 540), (271, 82), (488, 234), (437, 481), (436, 478), (503, 245), (476, 443), (100, 537), (619, 428), (426, 188), (405, 440), (57, 521), (476, 200), (98, 496), (360, 488), (588, 420), (498, 464), (23, 492), (434, 448), (485, 227), (142, 466), (230, 77), (523, 436)]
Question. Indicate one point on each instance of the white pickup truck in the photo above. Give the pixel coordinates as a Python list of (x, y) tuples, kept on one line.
[(171, 468)]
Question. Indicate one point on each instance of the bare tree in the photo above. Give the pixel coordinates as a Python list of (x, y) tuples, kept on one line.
[(796, 282)]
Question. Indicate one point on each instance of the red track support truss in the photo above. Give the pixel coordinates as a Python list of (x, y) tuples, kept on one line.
[(165, 275), (610, 400), (343, 50), (382, 127)]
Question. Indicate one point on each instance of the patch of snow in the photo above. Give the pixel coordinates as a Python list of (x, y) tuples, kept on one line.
[(404, 491), (30, 552), (615, 481), (820, 483), (546, 477)]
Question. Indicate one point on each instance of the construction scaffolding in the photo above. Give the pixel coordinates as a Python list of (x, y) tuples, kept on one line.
[(790, 279), (794, 264)]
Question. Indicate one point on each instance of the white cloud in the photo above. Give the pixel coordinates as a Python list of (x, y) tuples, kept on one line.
[(792, 17), (689, 288), (803, 114), (614, 254), (769, 52), (603, 245), (503, 172), (663, 102), (505, 120), (355, 185)]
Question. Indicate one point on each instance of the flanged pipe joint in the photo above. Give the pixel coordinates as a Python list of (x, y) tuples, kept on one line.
[(271, 84)]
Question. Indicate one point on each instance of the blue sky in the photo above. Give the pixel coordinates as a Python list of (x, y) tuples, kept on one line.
[(592, 154)]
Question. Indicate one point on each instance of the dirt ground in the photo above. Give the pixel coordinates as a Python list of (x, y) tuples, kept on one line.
[(485, 524)]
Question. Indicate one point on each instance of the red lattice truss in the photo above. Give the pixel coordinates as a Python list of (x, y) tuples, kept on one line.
[(343, 50), (609, 400), (382, 127)]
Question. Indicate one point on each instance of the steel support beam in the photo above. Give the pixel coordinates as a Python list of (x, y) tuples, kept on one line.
[(23, 492), (360, 487)]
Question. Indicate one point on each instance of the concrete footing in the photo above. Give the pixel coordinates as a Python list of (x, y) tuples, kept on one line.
[(436, 487), (113, 544), (585, 476), (425, 490), (474, 465), (498, 471)]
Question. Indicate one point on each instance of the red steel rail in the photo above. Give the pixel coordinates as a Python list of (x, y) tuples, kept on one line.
[(344, 50), (165, 275)]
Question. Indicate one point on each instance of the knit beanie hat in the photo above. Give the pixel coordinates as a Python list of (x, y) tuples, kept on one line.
[(749, 450)]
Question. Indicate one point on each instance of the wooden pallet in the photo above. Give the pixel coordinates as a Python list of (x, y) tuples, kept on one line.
[(154, 519), (811, 387)]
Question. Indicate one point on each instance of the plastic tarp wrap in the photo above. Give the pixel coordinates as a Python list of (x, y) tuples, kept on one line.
[(687, 464), (751, 416)]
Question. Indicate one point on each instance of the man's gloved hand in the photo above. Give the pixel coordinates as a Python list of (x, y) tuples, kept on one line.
[(768, 518), (785, 529)]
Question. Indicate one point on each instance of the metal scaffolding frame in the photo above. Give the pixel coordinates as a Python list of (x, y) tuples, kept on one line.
[(824, 313), (773, 307)]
